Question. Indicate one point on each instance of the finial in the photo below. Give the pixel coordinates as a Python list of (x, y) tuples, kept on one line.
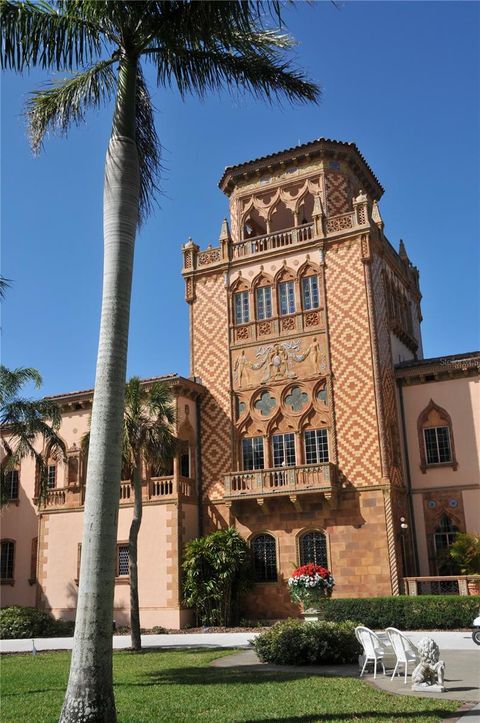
[(376, 215), (317, 205), (225, 231), (189, 243), (402, 251)]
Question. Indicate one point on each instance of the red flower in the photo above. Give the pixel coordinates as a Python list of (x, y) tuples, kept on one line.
[(311, 570)]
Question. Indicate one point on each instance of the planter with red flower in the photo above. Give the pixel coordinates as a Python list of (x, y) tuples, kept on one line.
[(311, 585)]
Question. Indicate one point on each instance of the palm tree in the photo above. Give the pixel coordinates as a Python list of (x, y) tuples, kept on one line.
[(199, 47), (22, 421), (148, 442)]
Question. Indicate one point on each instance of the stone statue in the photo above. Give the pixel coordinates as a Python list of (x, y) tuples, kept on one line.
[(429, 673), (241, 368)]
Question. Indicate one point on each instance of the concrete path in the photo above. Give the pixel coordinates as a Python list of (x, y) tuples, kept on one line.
[(447, 640)]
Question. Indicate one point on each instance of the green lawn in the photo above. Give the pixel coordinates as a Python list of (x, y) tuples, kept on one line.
[(180, 686)]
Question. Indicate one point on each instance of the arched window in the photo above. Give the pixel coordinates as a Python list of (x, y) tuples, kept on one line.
[(313, 548), (264, 553), (443, 538), (7, 561)]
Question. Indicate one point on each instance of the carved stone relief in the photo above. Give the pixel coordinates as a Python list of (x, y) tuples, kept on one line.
[(279, 361)]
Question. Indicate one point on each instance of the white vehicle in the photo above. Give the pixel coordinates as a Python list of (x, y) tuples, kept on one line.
[(476, 631)]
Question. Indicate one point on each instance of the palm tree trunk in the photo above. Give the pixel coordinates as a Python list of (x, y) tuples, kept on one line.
[(133, 557), (89, 695)]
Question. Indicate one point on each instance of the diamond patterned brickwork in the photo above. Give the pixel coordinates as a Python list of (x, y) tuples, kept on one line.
[(351, 360), (392, 433), (211, 364), (338, 196)]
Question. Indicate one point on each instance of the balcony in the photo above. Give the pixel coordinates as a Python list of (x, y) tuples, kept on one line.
[(156, 489), (292, 482)]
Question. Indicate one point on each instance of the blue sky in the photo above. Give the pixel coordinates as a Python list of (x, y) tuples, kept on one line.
[(401, 79)]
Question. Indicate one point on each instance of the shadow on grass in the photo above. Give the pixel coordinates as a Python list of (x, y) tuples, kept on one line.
[(418, 715)]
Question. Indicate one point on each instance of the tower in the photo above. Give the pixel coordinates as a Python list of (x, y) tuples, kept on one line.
[(297, 318)]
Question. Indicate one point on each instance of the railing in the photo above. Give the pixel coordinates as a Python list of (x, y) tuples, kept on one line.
[(271, 241), (438, 585), (290, 480), (55, 497), (156, 488), (283, 325), (343, 222)]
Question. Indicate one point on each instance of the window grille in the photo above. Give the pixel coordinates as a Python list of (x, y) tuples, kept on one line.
[(264, 558), (313, 548), (123, 560)]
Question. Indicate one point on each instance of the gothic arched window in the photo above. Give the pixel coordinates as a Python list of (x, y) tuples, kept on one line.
[(264, 553), (313, 548)]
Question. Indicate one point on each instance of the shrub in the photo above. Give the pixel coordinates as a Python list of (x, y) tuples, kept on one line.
[(465, 551), (217, 569), (18, 622), (421, 612), (293, 642)]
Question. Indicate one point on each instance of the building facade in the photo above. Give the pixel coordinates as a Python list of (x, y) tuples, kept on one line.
[(311, 421)]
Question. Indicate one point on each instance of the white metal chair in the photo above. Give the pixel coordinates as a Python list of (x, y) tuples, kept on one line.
[(373, 648), (405, 651)]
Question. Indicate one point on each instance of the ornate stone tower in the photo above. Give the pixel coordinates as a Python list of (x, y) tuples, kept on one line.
[(297, 318)]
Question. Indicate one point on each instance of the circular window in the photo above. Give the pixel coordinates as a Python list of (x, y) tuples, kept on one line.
[(296, 399), (431, 504), (264, 404), (453, 503)]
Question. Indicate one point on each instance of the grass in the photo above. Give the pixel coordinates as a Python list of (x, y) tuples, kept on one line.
[(179, 686)]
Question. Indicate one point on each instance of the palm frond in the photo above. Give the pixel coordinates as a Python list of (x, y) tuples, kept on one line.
[(12, 380), (148, 145), (4, 285), (58, 106), (260, 73), (37, 33)]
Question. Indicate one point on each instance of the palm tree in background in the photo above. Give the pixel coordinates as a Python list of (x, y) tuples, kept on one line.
[(22, 422), (148, 443), (197, 47)]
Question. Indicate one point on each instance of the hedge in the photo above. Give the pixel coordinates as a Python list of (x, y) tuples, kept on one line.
[(420, 612), (293, 642), (17, 623)]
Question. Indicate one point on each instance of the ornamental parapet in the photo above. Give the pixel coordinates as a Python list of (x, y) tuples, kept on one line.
[(292, 482), (154, 490)]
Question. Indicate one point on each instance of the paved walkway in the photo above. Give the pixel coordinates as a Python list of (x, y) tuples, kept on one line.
[(447, 640)]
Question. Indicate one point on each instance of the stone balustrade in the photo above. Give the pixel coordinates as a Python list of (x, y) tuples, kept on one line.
[(441, 585), (319, 478)]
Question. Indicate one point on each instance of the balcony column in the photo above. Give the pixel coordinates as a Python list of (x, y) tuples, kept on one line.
[(176, 474), (267, 452), (299, 457)]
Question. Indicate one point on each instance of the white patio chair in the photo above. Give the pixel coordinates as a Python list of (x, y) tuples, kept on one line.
[(373, 648), (404, 649)]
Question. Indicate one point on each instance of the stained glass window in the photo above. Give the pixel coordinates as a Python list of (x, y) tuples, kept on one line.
[(263, 297), (287, 297), (242, 311), (264, 555), (311, 297)]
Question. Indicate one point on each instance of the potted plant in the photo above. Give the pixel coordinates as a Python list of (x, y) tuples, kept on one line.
[(465, 551), (311, 585)]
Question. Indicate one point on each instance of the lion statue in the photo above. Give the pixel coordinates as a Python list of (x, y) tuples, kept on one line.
[(430, 670)]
